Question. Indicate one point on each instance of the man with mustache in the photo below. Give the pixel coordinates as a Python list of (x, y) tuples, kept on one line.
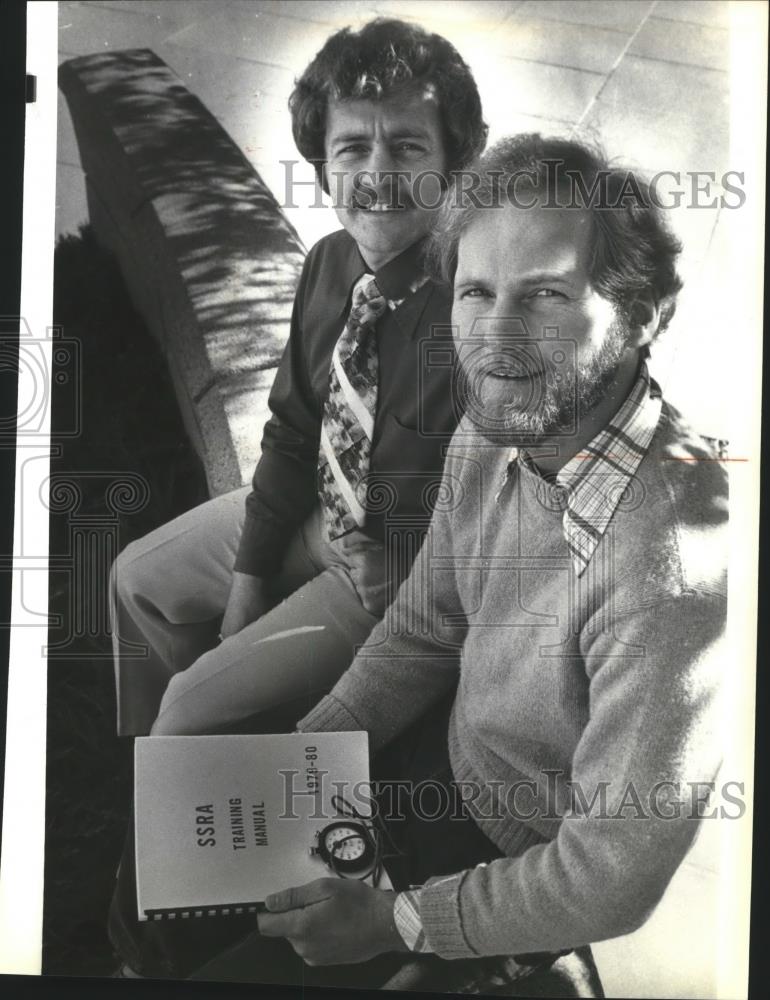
[(358, 424), (294, 573), (556, 687)]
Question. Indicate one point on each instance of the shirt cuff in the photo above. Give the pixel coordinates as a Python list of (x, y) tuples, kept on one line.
[(406, 913)]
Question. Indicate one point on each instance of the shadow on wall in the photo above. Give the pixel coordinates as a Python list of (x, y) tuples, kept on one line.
[(208, 256)]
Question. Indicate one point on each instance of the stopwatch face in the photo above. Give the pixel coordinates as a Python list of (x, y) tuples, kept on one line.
[(344, 843), (346, 847)]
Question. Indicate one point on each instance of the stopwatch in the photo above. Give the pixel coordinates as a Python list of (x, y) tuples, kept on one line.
[(345, 846)]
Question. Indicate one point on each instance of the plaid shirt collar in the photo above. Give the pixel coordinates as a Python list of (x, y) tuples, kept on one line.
[(596, 480)]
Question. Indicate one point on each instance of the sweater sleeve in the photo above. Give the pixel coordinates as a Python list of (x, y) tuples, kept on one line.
[(411, 658), (653, 735)]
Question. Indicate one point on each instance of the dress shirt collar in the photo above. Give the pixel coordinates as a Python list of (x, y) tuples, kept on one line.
[(594, 483), (397, 278)]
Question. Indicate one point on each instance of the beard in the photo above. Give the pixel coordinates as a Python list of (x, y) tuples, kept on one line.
[(554, 406)]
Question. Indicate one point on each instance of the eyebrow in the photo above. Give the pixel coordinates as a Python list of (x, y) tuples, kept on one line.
[(413, 133), (531, 278), (410, 133)]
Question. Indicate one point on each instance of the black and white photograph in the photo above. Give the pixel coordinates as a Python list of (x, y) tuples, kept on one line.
[(387, 496)]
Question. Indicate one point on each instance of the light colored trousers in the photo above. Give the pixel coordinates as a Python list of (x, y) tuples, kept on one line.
[(168, 592)]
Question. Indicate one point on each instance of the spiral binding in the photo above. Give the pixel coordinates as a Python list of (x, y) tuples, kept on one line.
[(231, 910)]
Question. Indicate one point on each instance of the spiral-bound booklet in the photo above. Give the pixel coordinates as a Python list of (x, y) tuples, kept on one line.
[(223, 821)]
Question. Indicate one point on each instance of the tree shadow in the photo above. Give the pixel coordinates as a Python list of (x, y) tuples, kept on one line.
[(146, 140)]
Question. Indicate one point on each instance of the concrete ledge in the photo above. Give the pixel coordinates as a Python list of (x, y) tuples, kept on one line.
[(209, 259)]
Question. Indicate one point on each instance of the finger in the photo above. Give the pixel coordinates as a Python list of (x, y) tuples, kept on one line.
[(277, 924), (300, 895)]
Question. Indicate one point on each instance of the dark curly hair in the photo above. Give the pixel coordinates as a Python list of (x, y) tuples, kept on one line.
[(634, 250), (382, 58)]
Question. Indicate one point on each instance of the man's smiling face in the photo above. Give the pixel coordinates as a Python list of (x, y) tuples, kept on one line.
[(374, 151), (522, 275)]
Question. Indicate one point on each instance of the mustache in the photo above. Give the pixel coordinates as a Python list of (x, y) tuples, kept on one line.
[(390, 189), (517, 361), (393, 189), (367, 199)]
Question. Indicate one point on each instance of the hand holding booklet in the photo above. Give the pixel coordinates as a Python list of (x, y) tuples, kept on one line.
[(222, 822)]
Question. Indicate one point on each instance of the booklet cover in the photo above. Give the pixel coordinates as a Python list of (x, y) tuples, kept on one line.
[(223, 821)]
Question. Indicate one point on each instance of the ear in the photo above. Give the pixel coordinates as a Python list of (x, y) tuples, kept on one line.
[(643, 318)]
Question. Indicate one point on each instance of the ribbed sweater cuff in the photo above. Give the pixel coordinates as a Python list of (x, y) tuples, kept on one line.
[(441, 914), (329, 715)]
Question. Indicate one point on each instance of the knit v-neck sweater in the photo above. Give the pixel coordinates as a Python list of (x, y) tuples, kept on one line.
[(586, 703)]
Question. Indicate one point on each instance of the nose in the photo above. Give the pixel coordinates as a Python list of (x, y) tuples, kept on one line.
[(499, 336), (500, 325), (381, 158), (384, 176)]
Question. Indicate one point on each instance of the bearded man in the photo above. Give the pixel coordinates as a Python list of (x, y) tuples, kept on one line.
[(571, 588)]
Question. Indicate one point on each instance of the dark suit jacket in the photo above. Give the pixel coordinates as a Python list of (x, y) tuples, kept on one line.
[(416, 411)]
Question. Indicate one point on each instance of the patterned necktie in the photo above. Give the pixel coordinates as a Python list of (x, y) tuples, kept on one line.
[(348, 419)]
